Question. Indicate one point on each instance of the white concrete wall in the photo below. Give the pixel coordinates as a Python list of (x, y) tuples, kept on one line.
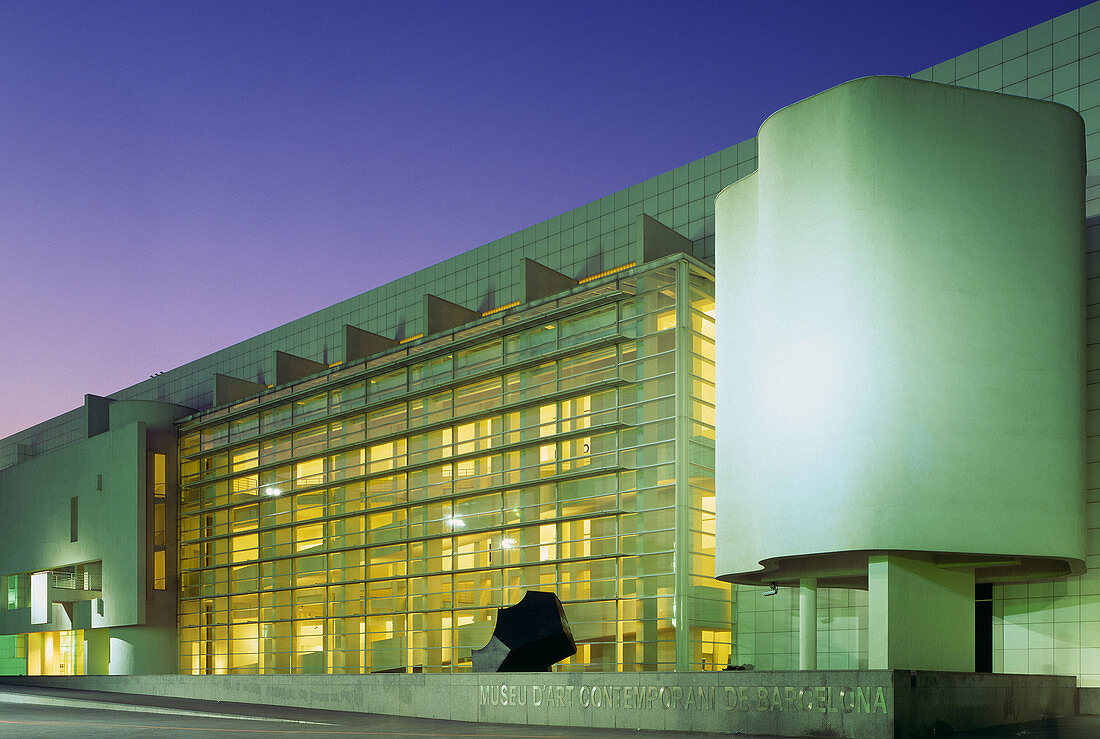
[(34, 518), (107, 474), (899, 329)]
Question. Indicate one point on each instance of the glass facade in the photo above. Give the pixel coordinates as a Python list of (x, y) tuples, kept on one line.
[(373, 518), (54, 652)]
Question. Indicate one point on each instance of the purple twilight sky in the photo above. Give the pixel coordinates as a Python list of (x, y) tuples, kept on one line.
[(178, 176)]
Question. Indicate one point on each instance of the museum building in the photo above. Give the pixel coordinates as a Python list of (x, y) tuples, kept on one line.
[(359, 490)]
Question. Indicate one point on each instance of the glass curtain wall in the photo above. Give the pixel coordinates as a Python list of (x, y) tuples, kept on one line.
[(374, 518)]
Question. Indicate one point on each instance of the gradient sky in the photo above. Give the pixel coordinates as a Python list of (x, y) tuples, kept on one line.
[(178, 176)]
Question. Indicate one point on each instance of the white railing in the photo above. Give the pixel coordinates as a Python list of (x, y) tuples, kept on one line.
[(73, 581)]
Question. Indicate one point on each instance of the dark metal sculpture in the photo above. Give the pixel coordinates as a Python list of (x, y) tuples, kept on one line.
[(529, 637)]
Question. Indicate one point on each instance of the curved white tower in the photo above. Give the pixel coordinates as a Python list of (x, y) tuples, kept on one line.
[(900, 343)]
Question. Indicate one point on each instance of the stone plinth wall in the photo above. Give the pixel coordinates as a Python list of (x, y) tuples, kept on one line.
[(879, 704)]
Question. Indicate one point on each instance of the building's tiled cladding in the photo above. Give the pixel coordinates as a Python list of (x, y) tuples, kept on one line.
[(1058, 60), (1053, 626)]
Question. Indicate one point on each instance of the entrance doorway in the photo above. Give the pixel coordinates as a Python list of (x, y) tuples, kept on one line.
[(983, 627)]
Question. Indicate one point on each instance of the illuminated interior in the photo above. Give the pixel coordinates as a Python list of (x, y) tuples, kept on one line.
[(55, 653), (374, 518)]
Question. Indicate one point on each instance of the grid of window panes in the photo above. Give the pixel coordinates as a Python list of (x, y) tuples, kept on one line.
[(375, 518), (710, 602)]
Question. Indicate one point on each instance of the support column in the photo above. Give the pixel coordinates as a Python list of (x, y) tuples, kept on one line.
[(683, 603), (97, 652), (920, 615), (807, 623)]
